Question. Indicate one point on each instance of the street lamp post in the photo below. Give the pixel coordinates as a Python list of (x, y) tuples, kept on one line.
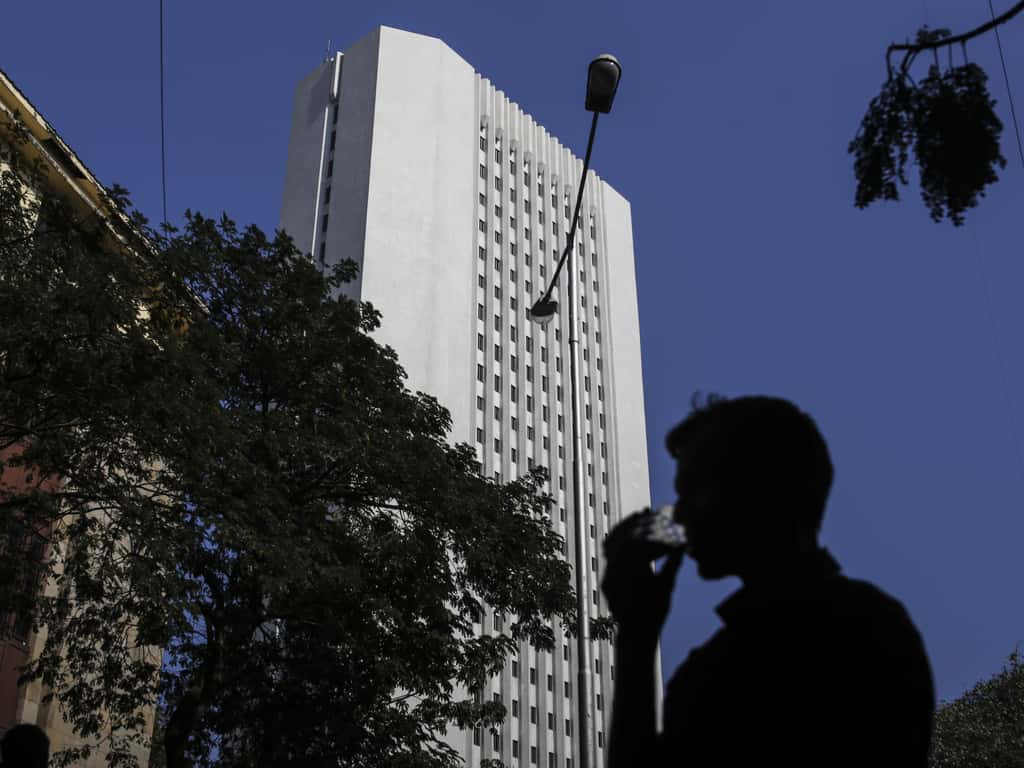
[(602, 82)]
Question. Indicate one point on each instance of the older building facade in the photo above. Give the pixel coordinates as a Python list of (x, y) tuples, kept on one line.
[(64, 176), (456, 205)]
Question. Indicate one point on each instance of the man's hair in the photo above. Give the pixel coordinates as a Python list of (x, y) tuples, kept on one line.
[(768, 452), (25, 745)]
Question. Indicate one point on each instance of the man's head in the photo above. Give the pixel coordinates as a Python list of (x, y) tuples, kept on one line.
[(752, 477), (25, 746)]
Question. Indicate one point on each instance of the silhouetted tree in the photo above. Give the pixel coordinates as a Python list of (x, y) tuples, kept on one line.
[(249, 485), (984, 728), (949, 120)]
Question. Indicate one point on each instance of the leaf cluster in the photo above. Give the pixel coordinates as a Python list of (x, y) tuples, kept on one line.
[(949, 120)]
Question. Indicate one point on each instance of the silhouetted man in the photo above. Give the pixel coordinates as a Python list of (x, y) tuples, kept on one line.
[(25, 746), (811, 668)]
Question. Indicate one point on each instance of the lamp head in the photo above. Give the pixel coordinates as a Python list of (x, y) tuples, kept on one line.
[(602, 82), (543, 311)]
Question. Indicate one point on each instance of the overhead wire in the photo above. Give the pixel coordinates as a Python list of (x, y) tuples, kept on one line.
[(981, 267), (1006, 78), (981, 270), (163, 155), (999, 354)]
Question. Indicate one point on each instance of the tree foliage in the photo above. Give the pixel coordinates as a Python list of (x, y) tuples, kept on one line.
[(249, 485), (984, 728), (949, 120)]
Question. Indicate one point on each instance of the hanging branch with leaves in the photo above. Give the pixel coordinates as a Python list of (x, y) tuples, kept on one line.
[(948, 118)]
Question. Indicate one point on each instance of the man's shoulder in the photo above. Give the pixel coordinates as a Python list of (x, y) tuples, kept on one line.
[(861, 596), (703, 661), (872, 615)]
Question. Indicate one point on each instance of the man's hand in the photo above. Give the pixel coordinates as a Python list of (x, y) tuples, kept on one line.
[(639, 599)]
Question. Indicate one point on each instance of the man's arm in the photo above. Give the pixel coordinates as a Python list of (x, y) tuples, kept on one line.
[(639, 601), (633, 737)]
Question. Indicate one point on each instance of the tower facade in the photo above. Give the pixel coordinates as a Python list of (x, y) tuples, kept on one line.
[(456, 205)]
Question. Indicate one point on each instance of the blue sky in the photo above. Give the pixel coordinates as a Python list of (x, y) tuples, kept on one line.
[(756, 274)]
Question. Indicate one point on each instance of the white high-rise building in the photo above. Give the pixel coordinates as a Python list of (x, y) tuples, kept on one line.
[(456, 205)]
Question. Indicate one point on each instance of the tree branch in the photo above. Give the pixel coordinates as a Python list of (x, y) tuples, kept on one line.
[(913, 49)]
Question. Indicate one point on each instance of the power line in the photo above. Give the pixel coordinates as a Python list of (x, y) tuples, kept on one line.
[(163, 156), (1006, 78), (999, 353)]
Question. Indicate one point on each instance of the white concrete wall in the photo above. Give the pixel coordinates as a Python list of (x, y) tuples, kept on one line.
[(624, 378), (419, 247)]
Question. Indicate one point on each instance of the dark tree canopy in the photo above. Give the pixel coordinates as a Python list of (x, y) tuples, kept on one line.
[(949, 120), (984, 728), (248, 484)]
